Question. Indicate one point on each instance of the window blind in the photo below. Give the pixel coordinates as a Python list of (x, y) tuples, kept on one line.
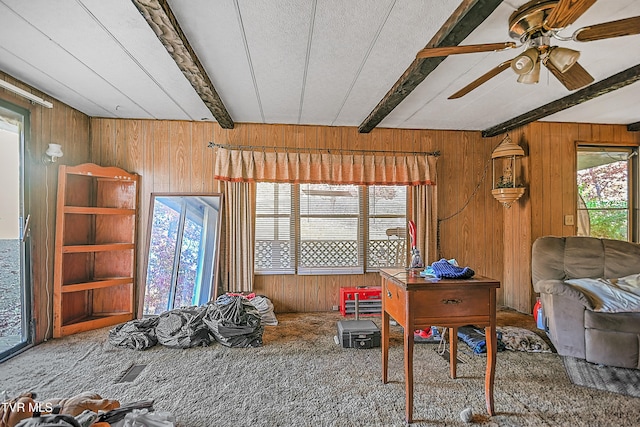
[(275, 244)]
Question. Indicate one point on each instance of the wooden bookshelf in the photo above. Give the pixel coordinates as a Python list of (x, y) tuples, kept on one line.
[(95, 248)]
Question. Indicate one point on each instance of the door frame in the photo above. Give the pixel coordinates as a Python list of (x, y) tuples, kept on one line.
[(28, 327)]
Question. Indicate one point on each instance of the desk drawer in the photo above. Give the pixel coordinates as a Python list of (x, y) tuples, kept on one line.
[(451, 303), (394, 298)]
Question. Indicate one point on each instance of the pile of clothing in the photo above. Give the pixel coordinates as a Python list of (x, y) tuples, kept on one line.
[(82, 410), (233, 320), (447, 269)]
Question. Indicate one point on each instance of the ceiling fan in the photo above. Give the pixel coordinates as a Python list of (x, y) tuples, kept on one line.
[(534, 25)]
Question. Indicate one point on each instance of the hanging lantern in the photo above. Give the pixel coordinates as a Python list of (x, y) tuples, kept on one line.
[(506, 190)]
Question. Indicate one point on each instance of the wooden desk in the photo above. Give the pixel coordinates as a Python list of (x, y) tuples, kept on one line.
[(418, 303)]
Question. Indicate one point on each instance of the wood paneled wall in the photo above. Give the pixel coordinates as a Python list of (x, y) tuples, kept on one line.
[(173, 156), (475, 229), (70, 128), (551, 172), (553, 169)]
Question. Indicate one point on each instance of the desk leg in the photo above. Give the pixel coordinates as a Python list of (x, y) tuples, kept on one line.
[(490, 334), (453, 351), (408, 370), (385, 346)]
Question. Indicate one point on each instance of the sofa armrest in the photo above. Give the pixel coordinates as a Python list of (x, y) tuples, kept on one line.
[(558, 287)]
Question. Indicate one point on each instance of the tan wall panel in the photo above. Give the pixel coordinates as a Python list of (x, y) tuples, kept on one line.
[(475, 236), (169, 163)]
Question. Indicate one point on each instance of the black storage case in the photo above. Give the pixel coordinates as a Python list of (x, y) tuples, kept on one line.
[(358, 334)]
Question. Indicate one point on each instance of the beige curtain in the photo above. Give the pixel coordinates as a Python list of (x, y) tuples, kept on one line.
[(236, 257), (424, 212), (331, 168)]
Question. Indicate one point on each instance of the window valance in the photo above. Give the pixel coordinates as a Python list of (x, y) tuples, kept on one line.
[(248, 165)]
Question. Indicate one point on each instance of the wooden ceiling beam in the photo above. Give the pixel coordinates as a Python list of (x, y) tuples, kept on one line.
[(460, 24), (633, 127), (164, 24), (617, 81)]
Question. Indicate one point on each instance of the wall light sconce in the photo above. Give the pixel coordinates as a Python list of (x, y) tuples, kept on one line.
[(505, 189), (54, 151)]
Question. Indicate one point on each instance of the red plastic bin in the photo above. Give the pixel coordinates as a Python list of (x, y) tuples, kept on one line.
[(369, 300)]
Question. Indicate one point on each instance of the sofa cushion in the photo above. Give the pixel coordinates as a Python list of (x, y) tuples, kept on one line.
[(583, 258), (621, 258), (547, 262), (622, 322), (575, 257), (612, 348)]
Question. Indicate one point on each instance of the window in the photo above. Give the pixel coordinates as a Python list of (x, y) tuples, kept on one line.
[(605, 189), (387, 234), (329, 229), (274, 246)]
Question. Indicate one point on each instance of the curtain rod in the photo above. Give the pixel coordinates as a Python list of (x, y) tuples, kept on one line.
[(23, 93), (328, 150)]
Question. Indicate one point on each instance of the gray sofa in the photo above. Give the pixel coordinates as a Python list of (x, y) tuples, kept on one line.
[(574, 328)]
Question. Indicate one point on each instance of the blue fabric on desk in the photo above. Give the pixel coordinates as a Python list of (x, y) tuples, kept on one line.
[(443, 269)]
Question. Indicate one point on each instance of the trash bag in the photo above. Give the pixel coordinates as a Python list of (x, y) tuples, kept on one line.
[(137, 334), (234, 322), (183, 328), (265, 308)]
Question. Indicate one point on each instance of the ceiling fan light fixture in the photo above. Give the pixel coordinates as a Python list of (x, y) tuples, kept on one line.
[(525, 62), (532, 77), (563, 58)]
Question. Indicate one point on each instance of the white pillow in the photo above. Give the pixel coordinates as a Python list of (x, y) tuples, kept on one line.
[(610, 296), (631, 281)]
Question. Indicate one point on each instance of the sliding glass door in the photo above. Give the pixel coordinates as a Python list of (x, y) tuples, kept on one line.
[(15, 293)]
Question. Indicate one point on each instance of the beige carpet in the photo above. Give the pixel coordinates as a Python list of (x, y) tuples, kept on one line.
[(300, 377)]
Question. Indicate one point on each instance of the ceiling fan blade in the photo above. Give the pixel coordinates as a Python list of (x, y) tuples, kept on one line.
[(566, 12), (574, 78), (430, 52), (607, 30), (482, 79)]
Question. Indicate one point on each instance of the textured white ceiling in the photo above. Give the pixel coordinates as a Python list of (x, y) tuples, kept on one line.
[(323, 62)]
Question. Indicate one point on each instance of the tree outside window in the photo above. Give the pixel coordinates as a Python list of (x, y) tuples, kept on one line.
[(604, 192)]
